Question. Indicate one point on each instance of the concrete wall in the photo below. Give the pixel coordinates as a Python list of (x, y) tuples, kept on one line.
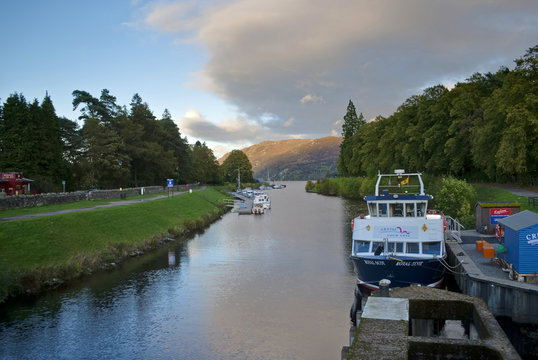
[(22, 201), (504, 297)]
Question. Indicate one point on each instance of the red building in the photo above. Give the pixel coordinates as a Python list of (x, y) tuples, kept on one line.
[(12, 183)]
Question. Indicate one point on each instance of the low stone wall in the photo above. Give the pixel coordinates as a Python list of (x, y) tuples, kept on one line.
[(23, 201), (116, 193)]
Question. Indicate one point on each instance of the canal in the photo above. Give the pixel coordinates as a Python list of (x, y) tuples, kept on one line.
[(276, 286)]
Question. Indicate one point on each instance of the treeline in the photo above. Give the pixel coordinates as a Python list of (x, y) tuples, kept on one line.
[(117, 146), (484, 129)]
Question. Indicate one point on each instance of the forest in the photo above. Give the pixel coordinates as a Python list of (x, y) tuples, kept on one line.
[(117, 146), (483, 129)]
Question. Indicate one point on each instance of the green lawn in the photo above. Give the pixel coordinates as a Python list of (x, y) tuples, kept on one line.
[(487, 193), (58, 239)]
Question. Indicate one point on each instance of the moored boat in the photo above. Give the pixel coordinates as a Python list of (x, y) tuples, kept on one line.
[(399, 239), (263, 199)]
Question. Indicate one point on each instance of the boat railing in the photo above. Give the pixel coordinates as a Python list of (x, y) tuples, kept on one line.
[(401, 181), (453, 229)]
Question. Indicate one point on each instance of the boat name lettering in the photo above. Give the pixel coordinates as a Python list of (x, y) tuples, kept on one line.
[(374, 262), (409, 263)]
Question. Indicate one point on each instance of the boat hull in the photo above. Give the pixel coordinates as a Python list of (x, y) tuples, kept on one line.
[(401, 272)]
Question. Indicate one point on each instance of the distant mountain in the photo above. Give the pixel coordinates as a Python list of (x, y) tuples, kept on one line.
[(298, 159)]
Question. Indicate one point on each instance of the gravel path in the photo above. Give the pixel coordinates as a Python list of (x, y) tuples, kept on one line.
[(116, 203)]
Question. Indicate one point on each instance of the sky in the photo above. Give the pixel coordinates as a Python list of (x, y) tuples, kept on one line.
[(237, 72)]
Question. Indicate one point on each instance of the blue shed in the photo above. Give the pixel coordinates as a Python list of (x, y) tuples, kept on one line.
[(521, 241)]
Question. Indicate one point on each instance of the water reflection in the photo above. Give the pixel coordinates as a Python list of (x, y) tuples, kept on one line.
[(276, 286)]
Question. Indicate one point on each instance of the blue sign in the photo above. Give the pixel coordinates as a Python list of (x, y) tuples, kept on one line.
[(63, 182), (170, 183)]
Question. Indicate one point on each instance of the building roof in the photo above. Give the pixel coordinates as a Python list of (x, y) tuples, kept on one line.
[(497, 204), (520, 220)]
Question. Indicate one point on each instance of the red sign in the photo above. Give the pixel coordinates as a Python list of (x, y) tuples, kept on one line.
[(505, 211)]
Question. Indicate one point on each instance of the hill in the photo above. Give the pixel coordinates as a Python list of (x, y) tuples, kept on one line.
[(296, 159)]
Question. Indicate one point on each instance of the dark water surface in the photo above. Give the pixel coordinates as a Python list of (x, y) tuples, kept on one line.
[(276, 286)]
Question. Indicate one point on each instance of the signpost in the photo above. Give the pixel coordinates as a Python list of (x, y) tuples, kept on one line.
[(63, 185), (170, 185)]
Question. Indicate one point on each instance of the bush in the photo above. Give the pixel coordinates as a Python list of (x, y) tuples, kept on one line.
[(456, 198), (310, 185), (350, 187), (190, 225)]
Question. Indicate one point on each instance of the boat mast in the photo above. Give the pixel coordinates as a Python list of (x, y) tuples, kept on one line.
[(238, 180)]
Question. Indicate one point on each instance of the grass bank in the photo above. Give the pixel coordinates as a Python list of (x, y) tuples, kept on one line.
[(41, 252)]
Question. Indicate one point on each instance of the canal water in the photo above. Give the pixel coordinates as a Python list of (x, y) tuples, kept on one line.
[(275, 286)]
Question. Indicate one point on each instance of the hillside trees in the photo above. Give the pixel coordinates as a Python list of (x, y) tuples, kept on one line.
[(485, 128), (237, 161)]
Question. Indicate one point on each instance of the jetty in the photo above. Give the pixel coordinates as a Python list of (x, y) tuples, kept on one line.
[(484, 277), (241, 204)]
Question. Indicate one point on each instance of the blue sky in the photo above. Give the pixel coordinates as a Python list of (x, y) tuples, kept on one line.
[(237, 72)]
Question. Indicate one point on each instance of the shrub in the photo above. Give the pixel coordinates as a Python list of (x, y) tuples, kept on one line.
[(456, 198), (200, 223), (190, 225), (310, 185)]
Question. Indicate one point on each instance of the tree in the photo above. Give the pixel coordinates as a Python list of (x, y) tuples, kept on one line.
[(205, 165), (237, 161), (104, 162), (172, 141), (351, 125), (15, 117)]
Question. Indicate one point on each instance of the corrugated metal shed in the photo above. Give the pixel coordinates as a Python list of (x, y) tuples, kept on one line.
[(520, 220), (521, 241)]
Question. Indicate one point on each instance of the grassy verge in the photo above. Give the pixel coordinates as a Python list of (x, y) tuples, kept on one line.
[(487, 193), (35, 251)]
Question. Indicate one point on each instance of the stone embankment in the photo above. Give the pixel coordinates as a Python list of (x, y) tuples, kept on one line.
[(23, 201)]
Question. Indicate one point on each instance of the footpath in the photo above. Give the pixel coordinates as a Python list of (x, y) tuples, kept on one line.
[(111, 204)]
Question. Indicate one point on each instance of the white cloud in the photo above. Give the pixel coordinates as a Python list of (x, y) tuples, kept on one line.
[(309, 98), (194, 124)]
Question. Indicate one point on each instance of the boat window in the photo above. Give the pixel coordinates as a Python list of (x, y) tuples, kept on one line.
[(372, 208), (431, 247), (421, 209), (410, 210), (397, 210), (395, 247), (377, 246), (411, 248), (383, 210), (361, 246)]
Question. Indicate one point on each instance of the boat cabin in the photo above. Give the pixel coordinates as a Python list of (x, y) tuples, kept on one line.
[(397, 205)]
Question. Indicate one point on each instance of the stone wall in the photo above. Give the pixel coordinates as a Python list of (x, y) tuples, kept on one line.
[(22, 201)]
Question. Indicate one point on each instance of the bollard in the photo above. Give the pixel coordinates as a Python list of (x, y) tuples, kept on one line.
[(384, 285)]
